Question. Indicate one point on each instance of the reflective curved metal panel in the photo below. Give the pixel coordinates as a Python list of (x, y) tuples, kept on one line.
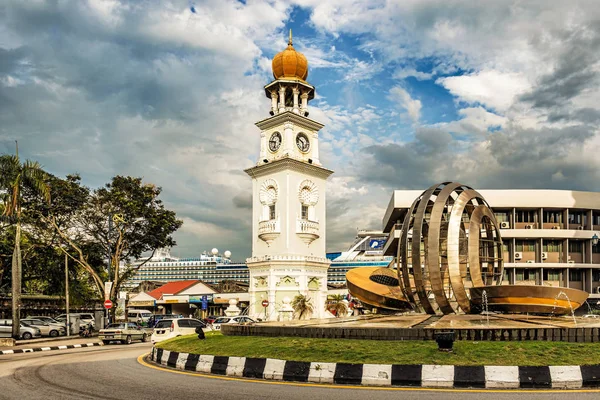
[(437, 253)]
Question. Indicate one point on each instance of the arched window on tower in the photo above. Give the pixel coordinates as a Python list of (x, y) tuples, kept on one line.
[(272, 211)]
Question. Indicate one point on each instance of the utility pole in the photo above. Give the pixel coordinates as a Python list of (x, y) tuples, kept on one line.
[(67, 294)]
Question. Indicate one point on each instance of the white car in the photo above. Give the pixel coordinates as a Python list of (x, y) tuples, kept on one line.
[(170, 328), (240, 319)]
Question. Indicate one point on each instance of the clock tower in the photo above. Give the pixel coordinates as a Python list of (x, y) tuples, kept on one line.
[(288, 204)]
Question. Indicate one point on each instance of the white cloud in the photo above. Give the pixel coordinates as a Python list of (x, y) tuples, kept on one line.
[(490, 88), (404, 99)]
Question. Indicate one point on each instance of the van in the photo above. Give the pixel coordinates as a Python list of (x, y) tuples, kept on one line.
[(138, 315)]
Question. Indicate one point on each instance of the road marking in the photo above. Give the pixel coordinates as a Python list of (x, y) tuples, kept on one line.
[(141, 360)]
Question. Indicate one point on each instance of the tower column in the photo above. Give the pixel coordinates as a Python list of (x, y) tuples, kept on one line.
[(288, 138), (304, 106), (315, 151), (273, 102), (281, 99), (263, 146), (296, 92)]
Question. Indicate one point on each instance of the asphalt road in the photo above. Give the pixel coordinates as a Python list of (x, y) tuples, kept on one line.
[(113, 372)]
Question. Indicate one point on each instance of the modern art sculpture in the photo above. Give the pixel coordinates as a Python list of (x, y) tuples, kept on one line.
[(450, 241), (449, 260)]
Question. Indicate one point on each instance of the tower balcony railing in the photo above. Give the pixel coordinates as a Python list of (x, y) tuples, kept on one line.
[(269, 230), (307, 230)]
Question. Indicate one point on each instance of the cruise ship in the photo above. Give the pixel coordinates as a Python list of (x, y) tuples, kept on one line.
[(213, 267), (366, 251)]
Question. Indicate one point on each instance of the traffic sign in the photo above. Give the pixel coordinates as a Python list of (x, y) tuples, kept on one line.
[(265, 303), (108, 304)]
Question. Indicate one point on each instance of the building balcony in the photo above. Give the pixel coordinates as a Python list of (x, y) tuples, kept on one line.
[(269, 230), (307, 230)]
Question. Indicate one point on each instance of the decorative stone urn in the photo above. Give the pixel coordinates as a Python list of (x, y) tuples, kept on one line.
[(233, 309)]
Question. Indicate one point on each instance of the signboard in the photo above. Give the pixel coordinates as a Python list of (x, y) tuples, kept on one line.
[(204, 302), (108, 304), (107, 288), (265, 303), (377, 243), (199, 299)]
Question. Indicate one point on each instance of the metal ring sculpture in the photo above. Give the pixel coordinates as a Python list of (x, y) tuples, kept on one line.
[(450, 241)]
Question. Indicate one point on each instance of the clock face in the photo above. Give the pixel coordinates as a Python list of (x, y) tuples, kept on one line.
[(302, 142), (275, 142)]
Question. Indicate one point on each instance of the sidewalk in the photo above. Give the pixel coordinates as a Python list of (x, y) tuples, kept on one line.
[(46, 342)]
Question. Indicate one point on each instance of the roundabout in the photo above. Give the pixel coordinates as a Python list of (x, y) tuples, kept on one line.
[(118, 372)]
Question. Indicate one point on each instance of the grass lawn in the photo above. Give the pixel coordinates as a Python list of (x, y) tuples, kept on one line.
[(388, 352)]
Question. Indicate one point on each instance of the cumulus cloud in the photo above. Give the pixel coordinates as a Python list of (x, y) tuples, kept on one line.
[(499, 95), (404, 99), (491, 88)]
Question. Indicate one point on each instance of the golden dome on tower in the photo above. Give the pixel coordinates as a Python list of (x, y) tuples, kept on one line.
[(290, 64)]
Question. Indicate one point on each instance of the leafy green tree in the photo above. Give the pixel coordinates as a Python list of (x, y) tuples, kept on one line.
[(122, 221), (302, 306), (15, 177)]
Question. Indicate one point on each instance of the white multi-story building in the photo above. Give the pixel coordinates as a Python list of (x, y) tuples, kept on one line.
[(550, 237), (288, 188)]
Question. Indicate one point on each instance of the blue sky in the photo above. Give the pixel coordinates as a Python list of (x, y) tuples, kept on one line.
[(495, 94)]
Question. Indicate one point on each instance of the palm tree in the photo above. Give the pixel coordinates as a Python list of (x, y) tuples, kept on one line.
[(338, 305), (302, 306), (14, 177)]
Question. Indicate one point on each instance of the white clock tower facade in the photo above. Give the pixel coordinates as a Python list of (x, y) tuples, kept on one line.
[(288, 205)]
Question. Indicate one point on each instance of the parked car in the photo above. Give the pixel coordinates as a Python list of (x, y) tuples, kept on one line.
[(170, 328), (138, 315), (153, 320), (49, 320), (47, 329), (240, 319), (124, 332), (84, 318), (26, 332)]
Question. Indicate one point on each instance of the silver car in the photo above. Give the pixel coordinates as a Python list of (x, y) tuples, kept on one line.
[(26, 332), (46, 328)]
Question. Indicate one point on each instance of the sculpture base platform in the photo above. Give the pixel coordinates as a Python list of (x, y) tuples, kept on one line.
[(414, 326), (548, 300)]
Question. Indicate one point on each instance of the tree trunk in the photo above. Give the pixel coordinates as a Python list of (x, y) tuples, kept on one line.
[(16, 284)]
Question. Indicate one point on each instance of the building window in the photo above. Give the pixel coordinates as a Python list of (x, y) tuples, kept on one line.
[(575, 246), (552, 246), (575, 275), (525, 245), (551, 275), (272, 211), (502, 216), (526, 216), (596, 275), (525, 275), (304, 212), (578, 218), (553, 217)]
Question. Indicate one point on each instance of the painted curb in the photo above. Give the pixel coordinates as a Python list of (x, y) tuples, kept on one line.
[(428, 376), (51, 348)]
